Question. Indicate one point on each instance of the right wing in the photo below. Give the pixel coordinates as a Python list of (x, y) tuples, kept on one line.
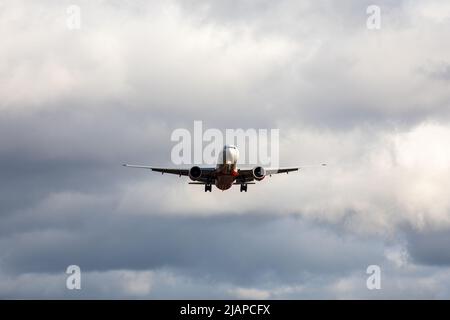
[(208, 174), (180, 172)]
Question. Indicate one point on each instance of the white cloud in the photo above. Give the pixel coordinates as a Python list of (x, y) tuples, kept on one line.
[(245, 293), (77, 104), (374, 182)]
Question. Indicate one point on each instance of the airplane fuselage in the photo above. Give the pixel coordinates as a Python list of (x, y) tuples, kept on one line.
[(227, 167)]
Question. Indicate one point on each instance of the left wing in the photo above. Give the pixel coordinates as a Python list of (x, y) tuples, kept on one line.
[(281, 170), (246, 175)]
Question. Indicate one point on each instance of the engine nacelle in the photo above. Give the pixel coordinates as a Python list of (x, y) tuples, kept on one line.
[(259, 173), (195, 173)]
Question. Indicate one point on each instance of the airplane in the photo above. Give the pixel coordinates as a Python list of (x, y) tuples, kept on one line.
[(225, 174)]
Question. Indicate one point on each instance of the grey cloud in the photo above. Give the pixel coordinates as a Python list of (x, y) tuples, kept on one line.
[(429, 248), (242, 249), (75, 105), (160, 76), (436, 70)]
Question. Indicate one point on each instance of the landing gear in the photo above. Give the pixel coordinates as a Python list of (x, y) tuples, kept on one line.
[(208, 187), (243, 187)]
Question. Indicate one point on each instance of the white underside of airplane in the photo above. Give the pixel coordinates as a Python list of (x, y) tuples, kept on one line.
[(225, 174)]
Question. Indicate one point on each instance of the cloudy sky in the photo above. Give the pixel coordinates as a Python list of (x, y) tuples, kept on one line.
[(77, 103)]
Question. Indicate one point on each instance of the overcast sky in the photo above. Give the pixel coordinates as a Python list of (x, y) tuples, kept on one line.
[(77, 103)]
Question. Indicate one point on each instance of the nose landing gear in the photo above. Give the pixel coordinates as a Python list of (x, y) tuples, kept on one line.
[(208, 187), (243, 187)]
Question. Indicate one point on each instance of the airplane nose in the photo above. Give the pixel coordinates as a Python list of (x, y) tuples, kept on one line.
[(229, 155)]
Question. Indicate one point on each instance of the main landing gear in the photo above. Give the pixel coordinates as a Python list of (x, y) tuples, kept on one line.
[(243, 187), (208, 187)]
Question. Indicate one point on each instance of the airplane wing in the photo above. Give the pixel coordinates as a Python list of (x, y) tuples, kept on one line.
[(281, 170), (246, 175), (180, 172), (207, 173)]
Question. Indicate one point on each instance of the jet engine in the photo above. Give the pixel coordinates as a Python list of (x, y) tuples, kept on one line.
[(259, 173), (195, 173)]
